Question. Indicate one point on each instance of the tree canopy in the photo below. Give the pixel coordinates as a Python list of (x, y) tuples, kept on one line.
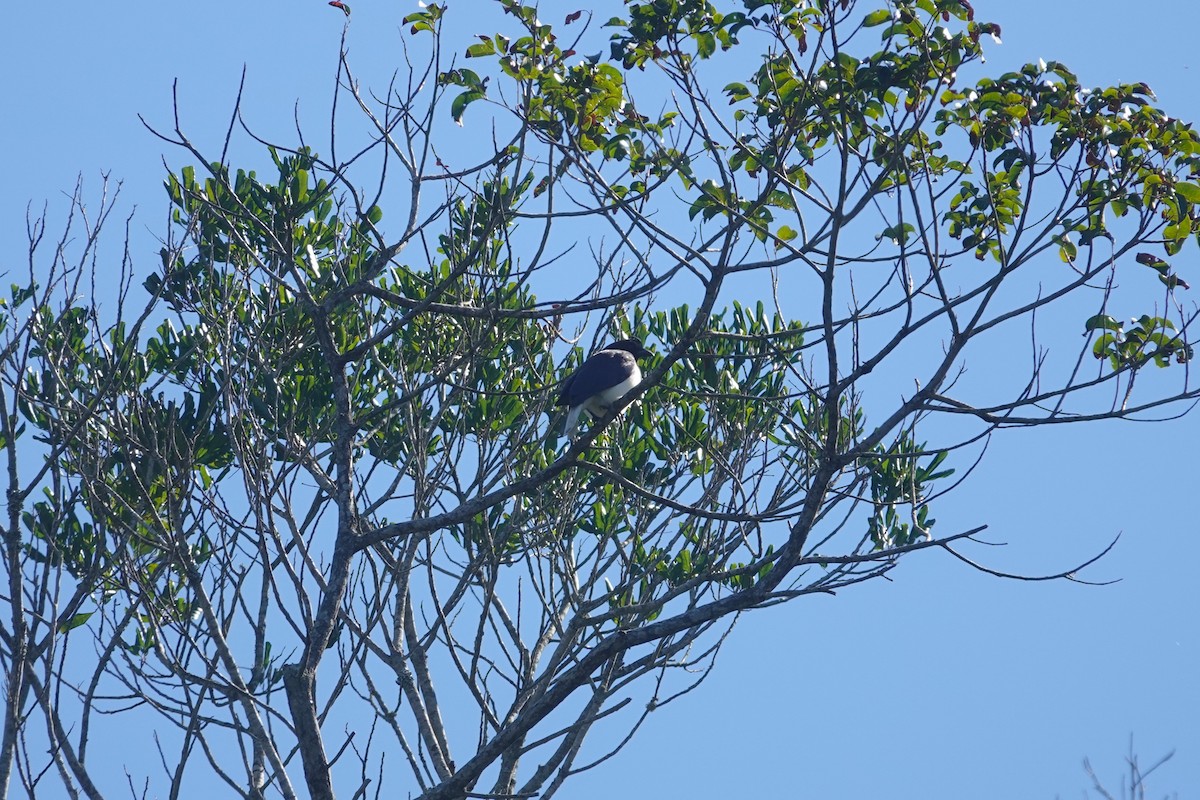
[(302, 497)]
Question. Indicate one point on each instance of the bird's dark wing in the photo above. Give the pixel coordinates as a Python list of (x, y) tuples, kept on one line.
[(564, 396), (602, 370)]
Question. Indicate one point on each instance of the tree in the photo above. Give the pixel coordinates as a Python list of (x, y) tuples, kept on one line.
[(1133, 785), (309, 502)]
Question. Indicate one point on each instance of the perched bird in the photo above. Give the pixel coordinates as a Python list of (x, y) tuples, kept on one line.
[(602, 380)]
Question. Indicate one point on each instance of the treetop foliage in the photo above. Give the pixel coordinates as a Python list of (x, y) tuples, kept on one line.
[(309, 501)]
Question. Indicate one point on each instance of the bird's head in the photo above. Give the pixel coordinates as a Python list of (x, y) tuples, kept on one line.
[(632, 346)]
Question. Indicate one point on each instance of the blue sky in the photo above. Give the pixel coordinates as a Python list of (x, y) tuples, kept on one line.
[(943, 683)]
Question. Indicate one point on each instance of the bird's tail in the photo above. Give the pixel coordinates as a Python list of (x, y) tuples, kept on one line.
[(572, 421)]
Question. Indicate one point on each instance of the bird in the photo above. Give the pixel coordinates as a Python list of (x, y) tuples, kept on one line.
[(603, 379)]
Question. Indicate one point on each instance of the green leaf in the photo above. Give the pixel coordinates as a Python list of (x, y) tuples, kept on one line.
[(1102, 321), (485, 48), (898, 233), (1179, 230), (1102, 345), (1067, 250), (1189, 192), (784, 234), (736, 92), (74, 622), (462, 101), (877, 18)]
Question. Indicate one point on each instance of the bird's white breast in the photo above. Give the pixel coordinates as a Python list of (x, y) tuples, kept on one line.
[(615, 393)]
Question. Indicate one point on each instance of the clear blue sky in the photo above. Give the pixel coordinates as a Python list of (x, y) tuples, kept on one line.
[(943, 683)]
